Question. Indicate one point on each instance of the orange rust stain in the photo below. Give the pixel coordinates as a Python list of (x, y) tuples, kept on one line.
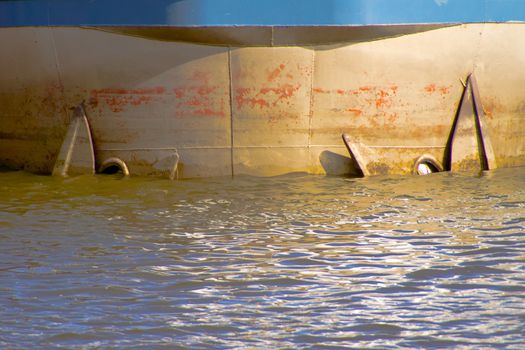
[(356, 112), (207, 112), (394, 89), (282, 92), (115, 103), (179, 92), (189, 100), (492, 106), (195, 102), (120, 91), (444, 90), (242, 98), (140, 100), (192, 90), (264, 97), (198, 101), (117, 99), (381, 99), (203, 112), (430, 88), (205, 90), (320, 90), (275, 73), (489, 113)]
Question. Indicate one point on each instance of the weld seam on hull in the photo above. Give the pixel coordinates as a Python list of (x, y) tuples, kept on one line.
[(311, 106), (408, 147), (142, 149), (230, 89), (212, 147), (255, 147)]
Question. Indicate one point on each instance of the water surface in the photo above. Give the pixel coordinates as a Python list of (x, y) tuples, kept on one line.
[(257, 263)]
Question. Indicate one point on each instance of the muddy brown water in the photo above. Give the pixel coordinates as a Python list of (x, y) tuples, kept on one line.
[(288, 262)]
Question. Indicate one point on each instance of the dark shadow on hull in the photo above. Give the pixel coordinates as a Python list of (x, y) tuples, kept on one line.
[(274, 35), (337, 165)]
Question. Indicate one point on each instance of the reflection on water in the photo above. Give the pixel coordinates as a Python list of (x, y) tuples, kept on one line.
[(287, 262)]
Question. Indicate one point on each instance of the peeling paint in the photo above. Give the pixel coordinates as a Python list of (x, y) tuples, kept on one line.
[(264, 97), (382, 99), (119, 99), (434, 88), (198, 100), (373, 101), (242, 99), (275, 73)]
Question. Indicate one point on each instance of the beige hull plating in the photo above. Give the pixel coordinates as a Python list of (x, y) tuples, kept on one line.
[(256, 110)]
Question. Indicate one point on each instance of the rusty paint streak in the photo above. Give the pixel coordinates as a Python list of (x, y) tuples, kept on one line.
[(430, 88), (382, 99), (380, 95), (197, 100), (394, 89), (492, 106), (242, 99), (375, 100), (159, 90), (356, 112), (442, 90), (179, 92), (320, 91), (282, 92), (264, 97), (117, 99), (275, 73)]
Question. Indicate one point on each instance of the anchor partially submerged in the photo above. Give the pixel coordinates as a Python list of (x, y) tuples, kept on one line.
[(78, 154), (469, 146)]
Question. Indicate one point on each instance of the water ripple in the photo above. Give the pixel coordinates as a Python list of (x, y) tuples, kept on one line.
[(287, 262)]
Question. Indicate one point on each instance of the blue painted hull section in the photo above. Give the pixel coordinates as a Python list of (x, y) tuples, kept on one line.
[(255, 13)]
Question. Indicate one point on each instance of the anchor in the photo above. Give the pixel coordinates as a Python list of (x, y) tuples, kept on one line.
[(469, 146), (76, 154)]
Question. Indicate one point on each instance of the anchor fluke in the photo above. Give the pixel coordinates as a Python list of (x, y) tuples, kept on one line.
[(359, 153), (76, 155), (469, 147)]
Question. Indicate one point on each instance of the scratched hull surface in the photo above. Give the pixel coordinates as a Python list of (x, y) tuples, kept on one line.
[(258, 110)]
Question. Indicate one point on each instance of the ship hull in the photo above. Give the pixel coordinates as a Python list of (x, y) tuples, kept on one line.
[(232, 107)]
